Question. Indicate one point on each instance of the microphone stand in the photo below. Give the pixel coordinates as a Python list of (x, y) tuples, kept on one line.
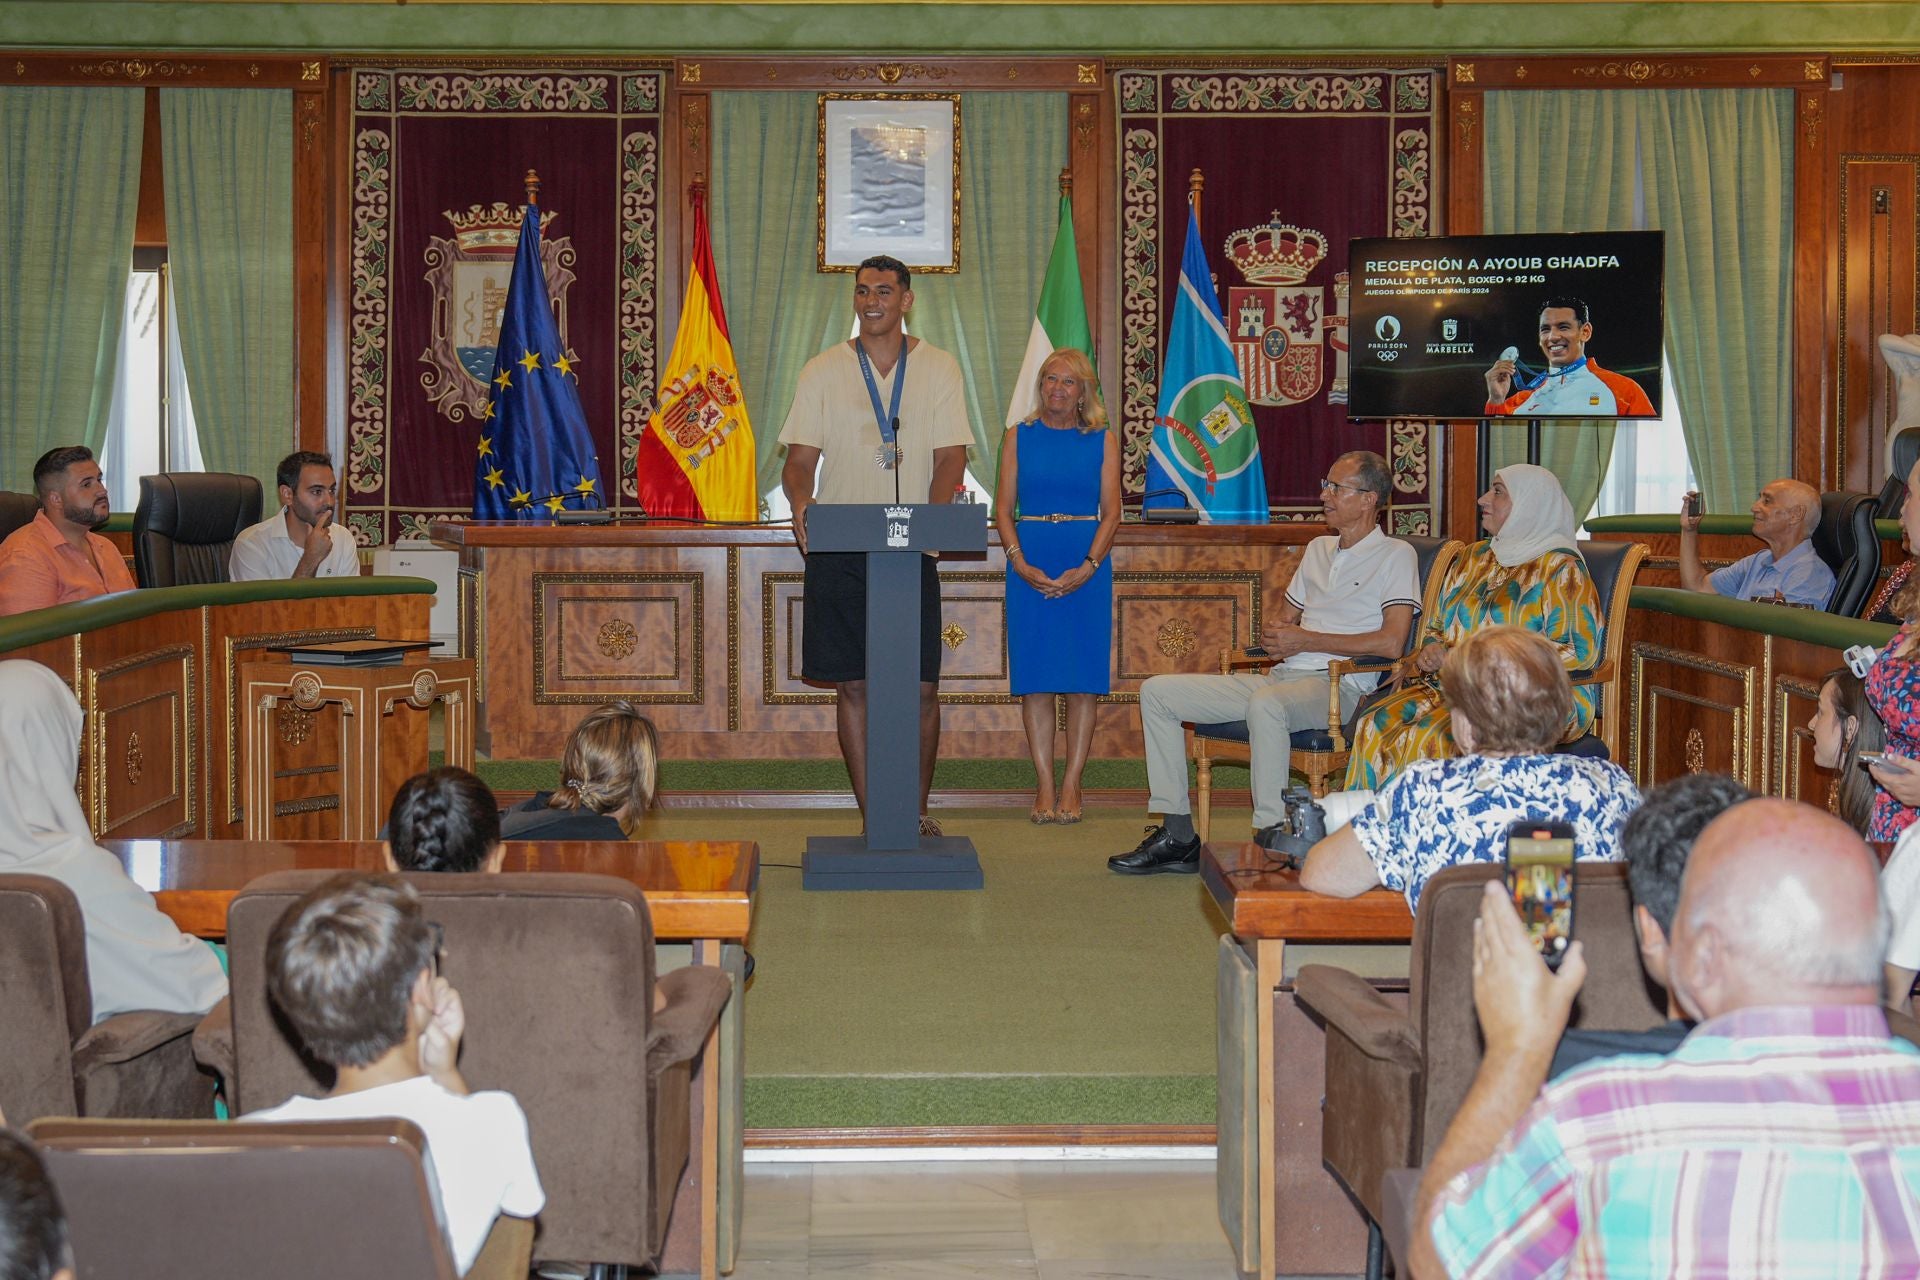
[(896, 462)]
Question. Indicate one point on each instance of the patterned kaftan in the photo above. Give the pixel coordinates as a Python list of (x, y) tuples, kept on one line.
[(1552, 595)]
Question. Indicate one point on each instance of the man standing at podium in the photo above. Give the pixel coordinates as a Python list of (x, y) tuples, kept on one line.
[(879, 418)]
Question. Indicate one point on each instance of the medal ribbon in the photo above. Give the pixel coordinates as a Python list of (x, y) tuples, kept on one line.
[(885, 418), (1521, 380)]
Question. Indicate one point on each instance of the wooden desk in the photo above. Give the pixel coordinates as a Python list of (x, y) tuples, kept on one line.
[(1303, 1220), (700, 627), (699, 892), (696, 889)]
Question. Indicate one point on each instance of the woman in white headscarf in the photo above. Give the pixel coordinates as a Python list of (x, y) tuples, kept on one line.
[(1528, 574), (136, 958)]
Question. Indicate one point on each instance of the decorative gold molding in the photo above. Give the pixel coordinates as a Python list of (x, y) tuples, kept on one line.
[(1466, 115), (136, 760), (1640, 70), (137, 70), (1086, 72), (309, 119), (733, 639), (230, 676), (694, 638), (310, 71), (1812, 113), (617, 639), (1084, 124), (1176, 638), (1784, 772), (1463, 73), (184, 749), (694, 119), (690, 73), (1643, 726), (296, 725), (892, 72), (1696, 751)]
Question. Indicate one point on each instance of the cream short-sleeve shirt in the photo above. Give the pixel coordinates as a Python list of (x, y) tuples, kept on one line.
[(832, 413)]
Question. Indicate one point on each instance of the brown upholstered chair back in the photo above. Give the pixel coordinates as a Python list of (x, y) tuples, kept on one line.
[(45, 1001), (1616, 996), (17, 510), (187, 1200), (556, 974)]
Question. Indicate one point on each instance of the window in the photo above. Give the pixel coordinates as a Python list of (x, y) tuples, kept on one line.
[(1650, 471), (150, 426)]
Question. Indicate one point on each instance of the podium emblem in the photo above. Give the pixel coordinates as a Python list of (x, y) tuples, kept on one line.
[(898, 526)]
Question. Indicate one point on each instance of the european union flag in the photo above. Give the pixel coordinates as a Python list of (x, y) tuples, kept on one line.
[(536, 455)]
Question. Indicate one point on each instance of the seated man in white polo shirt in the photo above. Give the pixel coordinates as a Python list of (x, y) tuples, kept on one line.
[(301, 541), (1355, 593)]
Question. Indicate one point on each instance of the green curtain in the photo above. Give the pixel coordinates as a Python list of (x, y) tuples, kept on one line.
[(782, 311), (1719, 180), (228, 170), (1561, 161), (1013, 146), (69, 189)]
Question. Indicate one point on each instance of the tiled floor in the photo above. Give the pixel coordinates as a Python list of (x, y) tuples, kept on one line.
[(1038, 1220)]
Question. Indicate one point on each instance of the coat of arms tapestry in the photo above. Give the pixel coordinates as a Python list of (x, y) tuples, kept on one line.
[(1296, 162), (439, 157)]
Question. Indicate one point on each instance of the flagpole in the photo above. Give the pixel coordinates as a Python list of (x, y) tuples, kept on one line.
[(533, 187), (1196, 183)]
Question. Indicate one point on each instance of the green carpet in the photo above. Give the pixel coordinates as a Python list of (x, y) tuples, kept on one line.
[(1062, 994)]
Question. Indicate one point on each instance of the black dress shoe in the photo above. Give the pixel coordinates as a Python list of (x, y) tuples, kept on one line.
[(1157, 853)]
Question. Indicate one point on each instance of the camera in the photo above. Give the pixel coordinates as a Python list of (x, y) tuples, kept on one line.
[(1305, 818)]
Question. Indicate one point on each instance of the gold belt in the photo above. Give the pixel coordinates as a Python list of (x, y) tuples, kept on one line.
[(1057, 517)]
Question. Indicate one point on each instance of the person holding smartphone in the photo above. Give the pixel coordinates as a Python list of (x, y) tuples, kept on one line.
[(1510, 698), (1786, 571)]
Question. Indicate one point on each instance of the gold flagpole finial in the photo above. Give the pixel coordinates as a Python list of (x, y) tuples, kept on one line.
[(1066, 182), (1196, 183), (533, 187)]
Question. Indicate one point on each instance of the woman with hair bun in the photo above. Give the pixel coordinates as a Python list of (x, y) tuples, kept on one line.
[(608, 777)]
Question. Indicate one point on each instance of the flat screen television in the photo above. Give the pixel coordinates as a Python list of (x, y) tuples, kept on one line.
[(1522, 326)]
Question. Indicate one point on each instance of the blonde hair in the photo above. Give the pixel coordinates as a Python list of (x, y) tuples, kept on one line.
[(611, 765), (1091, 413), (1509, 684)]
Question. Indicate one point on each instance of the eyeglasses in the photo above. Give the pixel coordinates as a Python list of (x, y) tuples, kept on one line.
[(1326, 484), (439, 944)]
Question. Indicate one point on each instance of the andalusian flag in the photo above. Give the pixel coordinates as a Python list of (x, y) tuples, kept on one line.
[(697, 459), (1204, 444), (1059, 321)]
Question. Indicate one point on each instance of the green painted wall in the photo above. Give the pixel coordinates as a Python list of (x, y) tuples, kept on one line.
[(1143, 29)]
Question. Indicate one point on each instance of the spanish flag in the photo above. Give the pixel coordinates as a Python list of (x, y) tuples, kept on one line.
[(696, 460)]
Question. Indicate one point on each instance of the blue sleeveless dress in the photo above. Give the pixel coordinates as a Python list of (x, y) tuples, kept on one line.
[(1063, 645)]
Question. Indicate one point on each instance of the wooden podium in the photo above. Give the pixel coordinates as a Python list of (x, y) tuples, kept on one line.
[(325, 747)]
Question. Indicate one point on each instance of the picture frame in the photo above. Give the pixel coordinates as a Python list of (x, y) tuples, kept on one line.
[(889, 180)]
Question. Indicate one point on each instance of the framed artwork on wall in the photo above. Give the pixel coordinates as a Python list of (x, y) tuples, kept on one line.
[(889, 168)]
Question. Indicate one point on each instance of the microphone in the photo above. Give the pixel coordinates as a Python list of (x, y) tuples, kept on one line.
[(896, 462), (1182, 514)]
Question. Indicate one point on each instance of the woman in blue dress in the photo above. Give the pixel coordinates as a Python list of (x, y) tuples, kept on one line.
[(1057, 507)]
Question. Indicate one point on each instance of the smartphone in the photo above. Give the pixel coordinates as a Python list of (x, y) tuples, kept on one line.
[(1540, 880), (1881, 760), (1691, 505)]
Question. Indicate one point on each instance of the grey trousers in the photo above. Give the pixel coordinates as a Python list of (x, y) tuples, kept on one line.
[(1274, 704)]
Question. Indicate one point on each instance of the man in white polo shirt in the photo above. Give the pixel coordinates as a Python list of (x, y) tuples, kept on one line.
[(1355, 593), (301, 540)]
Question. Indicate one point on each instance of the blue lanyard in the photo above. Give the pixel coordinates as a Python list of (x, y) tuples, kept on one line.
[(1550, 372), (891, 415)]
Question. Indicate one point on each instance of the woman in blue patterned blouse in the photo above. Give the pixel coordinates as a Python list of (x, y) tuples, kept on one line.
[(1510, 698)]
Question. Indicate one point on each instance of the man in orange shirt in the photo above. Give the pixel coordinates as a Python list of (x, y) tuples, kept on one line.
[(58, 559)]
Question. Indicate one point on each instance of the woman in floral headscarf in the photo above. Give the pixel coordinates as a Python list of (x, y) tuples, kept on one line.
[(1528, 573)]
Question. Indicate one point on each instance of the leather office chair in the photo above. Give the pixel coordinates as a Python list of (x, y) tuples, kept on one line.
[(53, 1060), (1846, 541), (1395, 1079), (1319, 752), (185, 525), (1893, 494), (545, 964), (305, 1200), (17, 510), (1613, 567)]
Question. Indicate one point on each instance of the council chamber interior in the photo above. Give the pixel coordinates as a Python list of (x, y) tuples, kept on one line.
[(238, 230)]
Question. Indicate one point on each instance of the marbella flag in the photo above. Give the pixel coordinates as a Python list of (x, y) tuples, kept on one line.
[(536, 455), (1059, 321), (1204, 444), (696, 459)]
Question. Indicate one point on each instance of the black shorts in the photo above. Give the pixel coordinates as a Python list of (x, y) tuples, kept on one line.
[(833, 636)]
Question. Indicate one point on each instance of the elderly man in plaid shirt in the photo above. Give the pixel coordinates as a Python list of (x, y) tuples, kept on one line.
[(1781, 1139)]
